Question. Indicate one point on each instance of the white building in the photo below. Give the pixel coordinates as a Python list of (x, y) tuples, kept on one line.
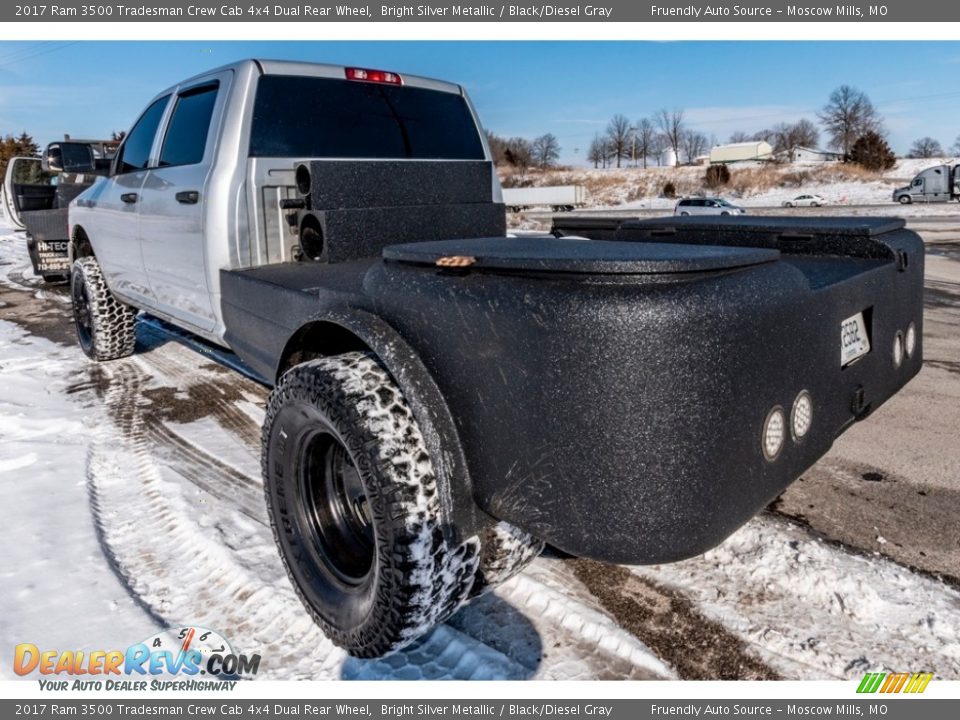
[(805, 154), (742, 152)]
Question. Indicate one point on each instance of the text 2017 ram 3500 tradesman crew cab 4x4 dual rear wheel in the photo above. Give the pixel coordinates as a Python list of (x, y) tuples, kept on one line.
[(447, 399)]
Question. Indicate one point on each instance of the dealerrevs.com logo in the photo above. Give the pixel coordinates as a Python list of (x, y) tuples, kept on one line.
[(182, 658)]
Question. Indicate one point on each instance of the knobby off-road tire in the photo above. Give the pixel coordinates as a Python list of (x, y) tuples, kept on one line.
[(106, 327), (353, 503)]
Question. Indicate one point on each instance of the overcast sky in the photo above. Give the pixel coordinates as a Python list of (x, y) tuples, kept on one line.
[(88, 89)]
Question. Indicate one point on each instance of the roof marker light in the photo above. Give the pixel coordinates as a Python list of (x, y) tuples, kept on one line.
[(377, 76)]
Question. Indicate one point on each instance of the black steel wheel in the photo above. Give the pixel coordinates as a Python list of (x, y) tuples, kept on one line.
[(337, 516)]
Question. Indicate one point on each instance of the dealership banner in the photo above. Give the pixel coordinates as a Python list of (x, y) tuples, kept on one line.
[(479, 11), (408, 709)]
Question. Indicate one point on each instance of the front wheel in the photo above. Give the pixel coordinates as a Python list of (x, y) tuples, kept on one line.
[(106, 327), (353, 502), (904, 200)]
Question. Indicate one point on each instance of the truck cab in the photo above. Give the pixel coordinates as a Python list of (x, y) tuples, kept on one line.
[(199, 183)]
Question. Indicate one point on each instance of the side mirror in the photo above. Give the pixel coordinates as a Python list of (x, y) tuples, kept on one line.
[(69, 157)]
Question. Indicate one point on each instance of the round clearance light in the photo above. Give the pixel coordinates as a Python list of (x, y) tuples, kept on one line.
[(801, 416), (898, 349), (910, 340), (774, 431)]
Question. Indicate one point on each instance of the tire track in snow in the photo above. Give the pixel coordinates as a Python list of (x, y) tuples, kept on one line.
[(212, 567), (492, 638), (700, 648)]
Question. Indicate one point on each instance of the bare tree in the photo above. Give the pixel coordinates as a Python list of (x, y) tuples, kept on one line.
[(848, 115), (765, 135), (805, 134), (599, 152), (955, 148), (518, 153), (545, 150), (498, 148), (658, 144), (786, 136), (644, 133), (618, 133), (671, 126), (740, 137), (694, 143), (925, 147)]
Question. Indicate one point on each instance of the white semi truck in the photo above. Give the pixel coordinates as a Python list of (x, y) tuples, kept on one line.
[(940, 183)]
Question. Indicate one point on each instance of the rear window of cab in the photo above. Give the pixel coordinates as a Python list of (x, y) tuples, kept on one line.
[(309, 117)]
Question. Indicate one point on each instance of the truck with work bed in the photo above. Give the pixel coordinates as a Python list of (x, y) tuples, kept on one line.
[(37, 193), (446, 398)]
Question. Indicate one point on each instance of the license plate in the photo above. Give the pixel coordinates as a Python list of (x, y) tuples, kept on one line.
[(854, 342)]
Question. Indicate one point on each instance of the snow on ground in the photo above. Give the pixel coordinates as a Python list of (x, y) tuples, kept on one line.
[(807, 606), (58, 587)]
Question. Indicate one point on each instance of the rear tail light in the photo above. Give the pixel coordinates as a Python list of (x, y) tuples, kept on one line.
[(898, 349), (801, 416), (910, 340), (377, 76), (774, 432)]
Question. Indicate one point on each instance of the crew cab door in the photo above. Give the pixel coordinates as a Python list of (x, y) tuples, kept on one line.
[(26, 187), (114, 227), (173, 203)]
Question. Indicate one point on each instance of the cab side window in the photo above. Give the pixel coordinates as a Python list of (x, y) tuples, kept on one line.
[(135, 153), (186, 137)]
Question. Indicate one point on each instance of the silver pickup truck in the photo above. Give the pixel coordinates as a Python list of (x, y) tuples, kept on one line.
[(445, 398)]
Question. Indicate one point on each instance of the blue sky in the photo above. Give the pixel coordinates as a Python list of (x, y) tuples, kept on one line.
[(522, 88)]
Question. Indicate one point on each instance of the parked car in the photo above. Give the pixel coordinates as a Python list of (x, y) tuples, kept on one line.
[(805, 201), (707, 206)]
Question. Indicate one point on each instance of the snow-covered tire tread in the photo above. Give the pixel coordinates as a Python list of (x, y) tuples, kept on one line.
[(421, 579), (114, 332)]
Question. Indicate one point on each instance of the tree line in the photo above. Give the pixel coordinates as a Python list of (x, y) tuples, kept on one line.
[(847, 117)]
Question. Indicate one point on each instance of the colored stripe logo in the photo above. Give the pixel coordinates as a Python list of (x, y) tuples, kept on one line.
[(914, 683)]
